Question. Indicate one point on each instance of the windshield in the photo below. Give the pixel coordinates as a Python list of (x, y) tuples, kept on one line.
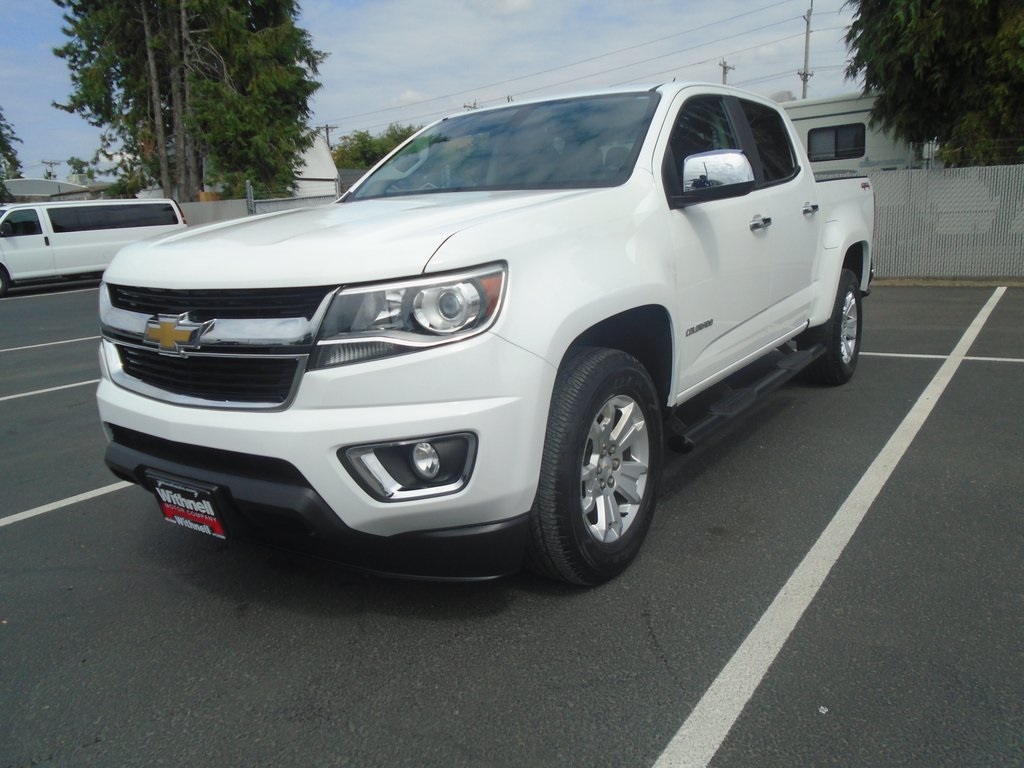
[(565, 144)]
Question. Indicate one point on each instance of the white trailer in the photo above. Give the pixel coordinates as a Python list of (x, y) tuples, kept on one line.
[(838, 136)]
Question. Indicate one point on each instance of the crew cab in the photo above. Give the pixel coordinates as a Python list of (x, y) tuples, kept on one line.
[(475, 359)]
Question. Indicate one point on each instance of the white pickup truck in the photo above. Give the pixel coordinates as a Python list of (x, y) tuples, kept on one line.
[(474, 360)]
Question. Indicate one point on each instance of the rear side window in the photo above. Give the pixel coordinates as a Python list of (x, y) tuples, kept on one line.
[(778, 161), (91, 217), (836, 142)]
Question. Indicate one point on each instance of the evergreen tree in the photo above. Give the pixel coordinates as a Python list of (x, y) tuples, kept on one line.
[(178, 84), (950, 70), (10, 165)]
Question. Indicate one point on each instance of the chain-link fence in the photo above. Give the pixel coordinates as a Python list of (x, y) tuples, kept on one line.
[(267, 205), (954, 223)]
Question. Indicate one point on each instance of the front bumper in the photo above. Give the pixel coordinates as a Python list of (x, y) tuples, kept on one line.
[(268, 501), (282, 482)]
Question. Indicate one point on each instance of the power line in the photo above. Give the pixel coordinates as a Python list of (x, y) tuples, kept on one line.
[(582, 61), (442, 113), (436, 113), (749, 48)]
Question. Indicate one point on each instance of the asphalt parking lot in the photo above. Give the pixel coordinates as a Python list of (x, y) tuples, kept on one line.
[(834, 580)]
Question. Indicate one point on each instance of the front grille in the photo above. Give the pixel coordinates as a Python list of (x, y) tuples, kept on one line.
[(242, 380), (224, 304)]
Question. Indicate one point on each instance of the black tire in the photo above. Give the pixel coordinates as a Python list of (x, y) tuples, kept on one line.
[(588, 469), (840, 335), (5, 281)]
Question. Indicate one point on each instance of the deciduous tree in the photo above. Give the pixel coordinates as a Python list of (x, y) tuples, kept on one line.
[(361, 149), (950, 70)]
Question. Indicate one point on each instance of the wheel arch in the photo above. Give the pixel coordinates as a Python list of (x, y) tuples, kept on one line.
[(644, 332), (857, 259)]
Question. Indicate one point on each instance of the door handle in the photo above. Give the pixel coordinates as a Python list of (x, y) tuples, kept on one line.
[(760, 222), (810, 209)]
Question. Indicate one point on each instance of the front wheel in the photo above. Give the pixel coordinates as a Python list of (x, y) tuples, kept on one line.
[(602, 457), (840, 335)]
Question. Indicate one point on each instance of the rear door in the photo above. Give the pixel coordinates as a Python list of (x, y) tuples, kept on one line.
[(790, 225), (25, 244)]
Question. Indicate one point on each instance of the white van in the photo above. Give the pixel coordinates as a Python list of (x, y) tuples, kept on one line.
[(39, 241)]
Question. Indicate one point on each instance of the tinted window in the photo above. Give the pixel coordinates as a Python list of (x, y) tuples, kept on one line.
[(703, 125), (563, 144), (778, 161), (22, 223), (836, 142), (91, 217)]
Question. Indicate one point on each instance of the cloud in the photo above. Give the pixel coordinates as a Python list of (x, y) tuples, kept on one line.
[(411, 62), (502, 7)]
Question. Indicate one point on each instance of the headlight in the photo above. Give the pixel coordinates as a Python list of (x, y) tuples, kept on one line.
[(375, 321)]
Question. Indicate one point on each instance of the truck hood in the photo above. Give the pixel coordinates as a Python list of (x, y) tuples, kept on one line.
[(340, 243)]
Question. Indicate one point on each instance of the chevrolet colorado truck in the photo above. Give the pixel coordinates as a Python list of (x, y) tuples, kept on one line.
[(475, 359)]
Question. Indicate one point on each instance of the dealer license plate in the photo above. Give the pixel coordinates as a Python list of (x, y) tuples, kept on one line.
[(189, 505)]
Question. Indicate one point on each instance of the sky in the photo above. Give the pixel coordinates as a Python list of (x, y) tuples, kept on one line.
[(414, 61)]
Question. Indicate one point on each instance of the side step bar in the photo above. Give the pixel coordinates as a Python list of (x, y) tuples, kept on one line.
[(685, 436)]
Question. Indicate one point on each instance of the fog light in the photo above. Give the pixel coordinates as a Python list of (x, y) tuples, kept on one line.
[(425, 461), (412, 469)]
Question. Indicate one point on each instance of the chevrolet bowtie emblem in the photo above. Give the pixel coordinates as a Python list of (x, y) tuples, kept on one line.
[(175, 333)]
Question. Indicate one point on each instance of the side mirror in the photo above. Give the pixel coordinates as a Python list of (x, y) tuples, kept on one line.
[(6, 229), (715, 175)]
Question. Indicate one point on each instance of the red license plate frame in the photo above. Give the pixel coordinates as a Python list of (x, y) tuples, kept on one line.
[(188, 504)]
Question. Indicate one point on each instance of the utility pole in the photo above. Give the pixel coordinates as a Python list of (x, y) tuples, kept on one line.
[(805, 73), (327, 133), (725, 70), (50, 165)]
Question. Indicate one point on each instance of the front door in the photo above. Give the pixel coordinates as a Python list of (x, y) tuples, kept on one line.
[(723, 268), (26, 250)]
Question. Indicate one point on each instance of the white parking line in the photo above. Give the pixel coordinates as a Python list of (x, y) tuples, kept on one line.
[(57, 294), (703, 732), (969, 358), (49, 389), (49, 344), (908, 355), (973, 359), (17, 518)]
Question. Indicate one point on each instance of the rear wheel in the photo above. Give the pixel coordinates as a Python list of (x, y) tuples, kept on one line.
[(5, 281), (602, 456), (840, 335)]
